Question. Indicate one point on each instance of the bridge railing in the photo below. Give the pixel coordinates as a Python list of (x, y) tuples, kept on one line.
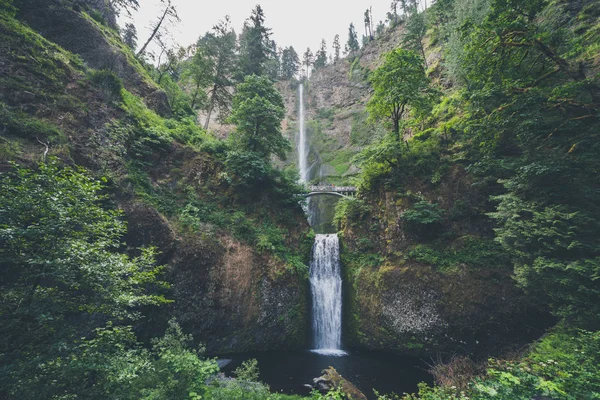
[(331, 188)]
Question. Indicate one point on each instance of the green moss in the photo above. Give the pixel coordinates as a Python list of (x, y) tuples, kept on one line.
[(24, 125)]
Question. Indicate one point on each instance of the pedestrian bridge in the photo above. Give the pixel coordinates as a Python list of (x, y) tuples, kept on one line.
[(332, 190)]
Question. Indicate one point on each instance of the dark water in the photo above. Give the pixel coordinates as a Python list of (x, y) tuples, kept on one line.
[(288, 372)]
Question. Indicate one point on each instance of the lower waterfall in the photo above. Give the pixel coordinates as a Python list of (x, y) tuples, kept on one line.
[(326, 289)]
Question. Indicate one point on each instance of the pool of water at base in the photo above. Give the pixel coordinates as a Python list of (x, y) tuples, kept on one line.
[(289, 372)]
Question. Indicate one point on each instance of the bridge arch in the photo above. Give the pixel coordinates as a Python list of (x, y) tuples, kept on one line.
[(311, 194)]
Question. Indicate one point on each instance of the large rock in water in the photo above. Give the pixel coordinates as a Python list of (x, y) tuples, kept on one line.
[(331, 379)]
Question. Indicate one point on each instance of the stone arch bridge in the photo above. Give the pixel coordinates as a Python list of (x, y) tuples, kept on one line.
[(332, 190)]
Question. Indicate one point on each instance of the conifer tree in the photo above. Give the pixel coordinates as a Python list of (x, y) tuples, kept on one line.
[(308, 59), (290, 63), (336, 48), (321, 56), (352, 45), (255, 44)]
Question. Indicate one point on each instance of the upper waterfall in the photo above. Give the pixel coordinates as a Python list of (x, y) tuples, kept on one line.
[(302, 147)]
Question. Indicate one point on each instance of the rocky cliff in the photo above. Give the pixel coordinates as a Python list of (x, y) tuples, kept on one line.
[(72, 90)]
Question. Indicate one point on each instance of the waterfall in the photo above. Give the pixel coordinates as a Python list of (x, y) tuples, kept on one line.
[(326, 288), (302, 153)]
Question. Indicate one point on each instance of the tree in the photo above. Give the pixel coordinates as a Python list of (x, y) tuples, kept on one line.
[(255, 44), (273, 64), (352, 45), (393, 14), (173, 58), (196, 77), (129, 36), (308, 59), (126, 5), (416, 28), (290, 63), (169, 14), (258, 110), (321, 56), (399, 82), (336, 49), (368, 17), (63, 273), (213, 66)]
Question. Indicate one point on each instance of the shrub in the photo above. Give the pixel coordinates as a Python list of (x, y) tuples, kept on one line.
[(424, 218)]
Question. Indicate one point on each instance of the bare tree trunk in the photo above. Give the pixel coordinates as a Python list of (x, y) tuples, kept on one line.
[(155, 31)]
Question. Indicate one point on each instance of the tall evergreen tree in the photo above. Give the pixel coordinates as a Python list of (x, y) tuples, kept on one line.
[(308, 59), (321, 56), (336, 48), (290, 63), (352, 46), (255, 44), (273, 64), (129, 36), (368, 21), (213, 68)]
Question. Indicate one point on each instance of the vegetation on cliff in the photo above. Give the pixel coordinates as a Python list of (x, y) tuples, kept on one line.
[(501, 177), (478, 190)]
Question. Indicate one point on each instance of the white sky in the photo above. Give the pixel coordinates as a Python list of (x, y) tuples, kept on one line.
[(300, 24)]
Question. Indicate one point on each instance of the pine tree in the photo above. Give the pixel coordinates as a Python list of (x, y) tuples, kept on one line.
[(336, 49), (308, 59), (129, 36), (352, 45), (213, 67), (321, 56), (290, 63), (255, 44)]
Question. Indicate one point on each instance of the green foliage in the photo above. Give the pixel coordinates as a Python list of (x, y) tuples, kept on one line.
[(470, 252), (290, 63), (248, 371), (255, 44), (258, 110), (555, 253), (424, 219), (562, 366), (399, 82), (7, 8), (423, 213), (349, 210), (109, 83), (61, 267), (352, 45)]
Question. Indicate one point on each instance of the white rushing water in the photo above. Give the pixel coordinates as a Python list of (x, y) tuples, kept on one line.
[(302, 148), (326, 288)]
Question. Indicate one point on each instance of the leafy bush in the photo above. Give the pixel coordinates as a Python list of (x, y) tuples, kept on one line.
[(62, 273), (562, 366), (424, 218)]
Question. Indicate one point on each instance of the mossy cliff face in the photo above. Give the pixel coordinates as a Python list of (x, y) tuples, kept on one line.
[(444, 288), (98, 45), (230, 293)]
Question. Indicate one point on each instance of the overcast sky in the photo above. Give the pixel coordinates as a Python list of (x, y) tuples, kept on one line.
[(300, 24)]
